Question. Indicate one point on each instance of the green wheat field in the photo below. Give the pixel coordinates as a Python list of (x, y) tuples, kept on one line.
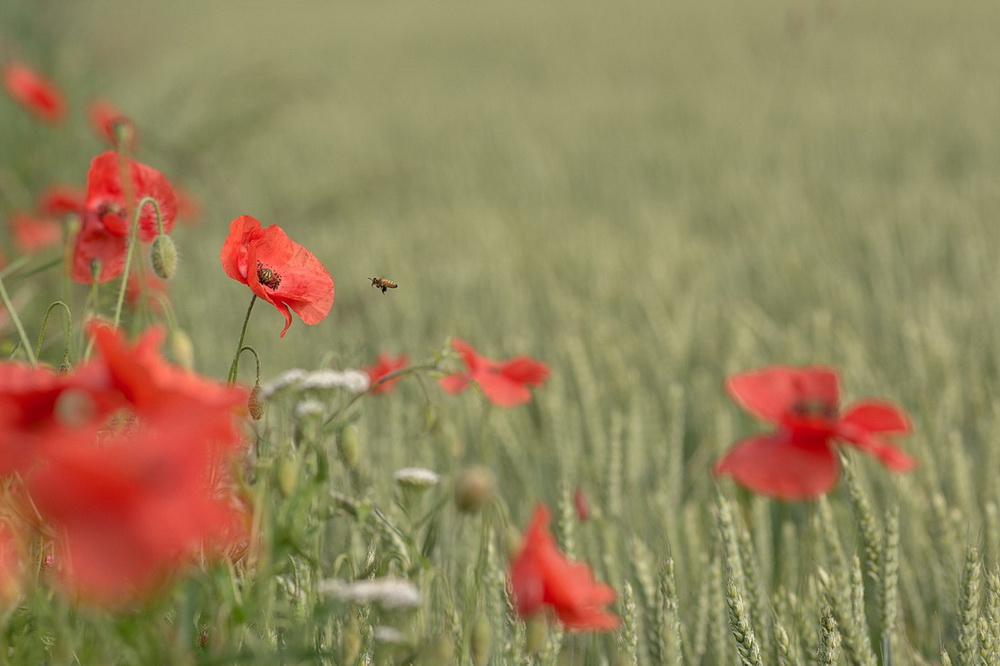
[(648, 197)]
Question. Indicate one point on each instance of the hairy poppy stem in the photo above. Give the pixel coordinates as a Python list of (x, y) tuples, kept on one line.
[(234, 368), (12, 313), (131, 251), (68, 319)]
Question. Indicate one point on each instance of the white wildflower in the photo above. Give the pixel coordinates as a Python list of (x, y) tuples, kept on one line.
[(282, 381), (389, 592), (416, 477), (354, 381)]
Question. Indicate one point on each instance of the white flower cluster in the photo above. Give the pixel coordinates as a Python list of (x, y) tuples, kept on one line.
[(389, 592), (417, 477), (354, 381)]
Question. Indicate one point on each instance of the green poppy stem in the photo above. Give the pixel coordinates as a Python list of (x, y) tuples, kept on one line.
[(234, 368), (12, 313)]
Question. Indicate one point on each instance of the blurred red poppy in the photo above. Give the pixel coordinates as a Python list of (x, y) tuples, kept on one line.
[(59, 199), (504, 383), (541, 575), (278, 270), (135, 508), (798, 461), (34, 92), (383, 367), (105, 230), (105, 119), (34, 232)]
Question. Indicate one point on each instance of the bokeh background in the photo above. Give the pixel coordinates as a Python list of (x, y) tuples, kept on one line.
[(647, 196)]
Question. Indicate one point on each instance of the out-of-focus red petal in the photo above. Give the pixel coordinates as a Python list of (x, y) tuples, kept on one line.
[(472, 359), (772, 392), (34, 92), (32, 233), (776, 466), (525, 370), (60, 199), (878, 417), (454, 383), (94, 242), (500, 390), (386, 364), (886, 452)]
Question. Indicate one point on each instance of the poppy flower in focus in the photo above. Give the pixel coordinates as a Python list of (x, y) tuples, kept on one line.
[(58, 199), (798, 460), (383, 367), (107, 121), (33, 232), (34, 92), (278, 270), (541, 575), (134, 506), (106, 225), (504, 383)]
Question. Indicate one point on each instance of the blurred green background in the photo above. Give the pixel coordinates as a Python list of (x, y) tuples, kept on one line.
[(646, 177), (647, 196)]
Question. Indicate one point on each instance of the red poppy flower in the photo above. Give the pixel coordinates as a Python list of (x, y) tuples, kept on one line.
[(33, 233), (504, 383), (152, 386), (133, 507), (798, 460), (383, 367), (106, 227), (105, 117), (541, 575), (278, 270), (39, 406), (34, 92), (59, 199)]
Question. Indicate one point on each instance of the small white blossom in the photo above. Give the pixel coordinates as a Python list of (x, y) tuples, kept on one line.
[(354, 381), (418, 477), (389, 592), (389, 635), (282, 381), (308, 408)]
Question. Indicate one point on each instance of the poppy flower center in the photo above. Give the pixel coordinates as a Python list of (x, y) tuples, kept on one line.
[(814, 409), (268, 277)]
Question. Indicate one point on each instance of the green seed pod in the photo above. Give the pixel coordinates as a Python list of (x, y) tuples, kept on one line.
[(349, 447), (479, 641), (287, 473), (182, 349), (474, 488), (163, 255)]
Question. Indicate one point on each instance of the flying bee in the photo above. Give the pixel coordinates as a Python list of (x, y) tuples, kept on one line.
[(383, 284)]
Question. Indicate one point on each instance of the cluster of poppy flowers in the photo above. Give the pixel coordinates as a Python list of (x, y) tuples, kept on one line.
[(122, 465)]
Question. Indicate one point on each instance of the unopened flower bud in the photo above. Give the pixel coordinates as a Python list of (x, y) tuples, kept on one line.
[(349, 447), (255, 405), (479, 642), (288, 476), (474, 488), (163, 255), (352, 639), (536, 633), (181, 348)]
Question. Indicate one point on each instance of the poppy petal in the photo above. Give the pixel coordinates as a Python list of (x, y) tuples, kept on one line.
[(776, 466), (454, 383), (525, 370), (772, 392), (502, 391), (874, 416)]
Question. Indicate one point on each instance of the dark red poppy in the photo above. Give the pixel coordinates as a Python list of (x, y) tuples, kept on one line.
[(541, 575), (106, 119), (34, 92), (34, 232), (58, 199), (798, 461), (504, 383), (278, 270), (106, 225), (383, 367)]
